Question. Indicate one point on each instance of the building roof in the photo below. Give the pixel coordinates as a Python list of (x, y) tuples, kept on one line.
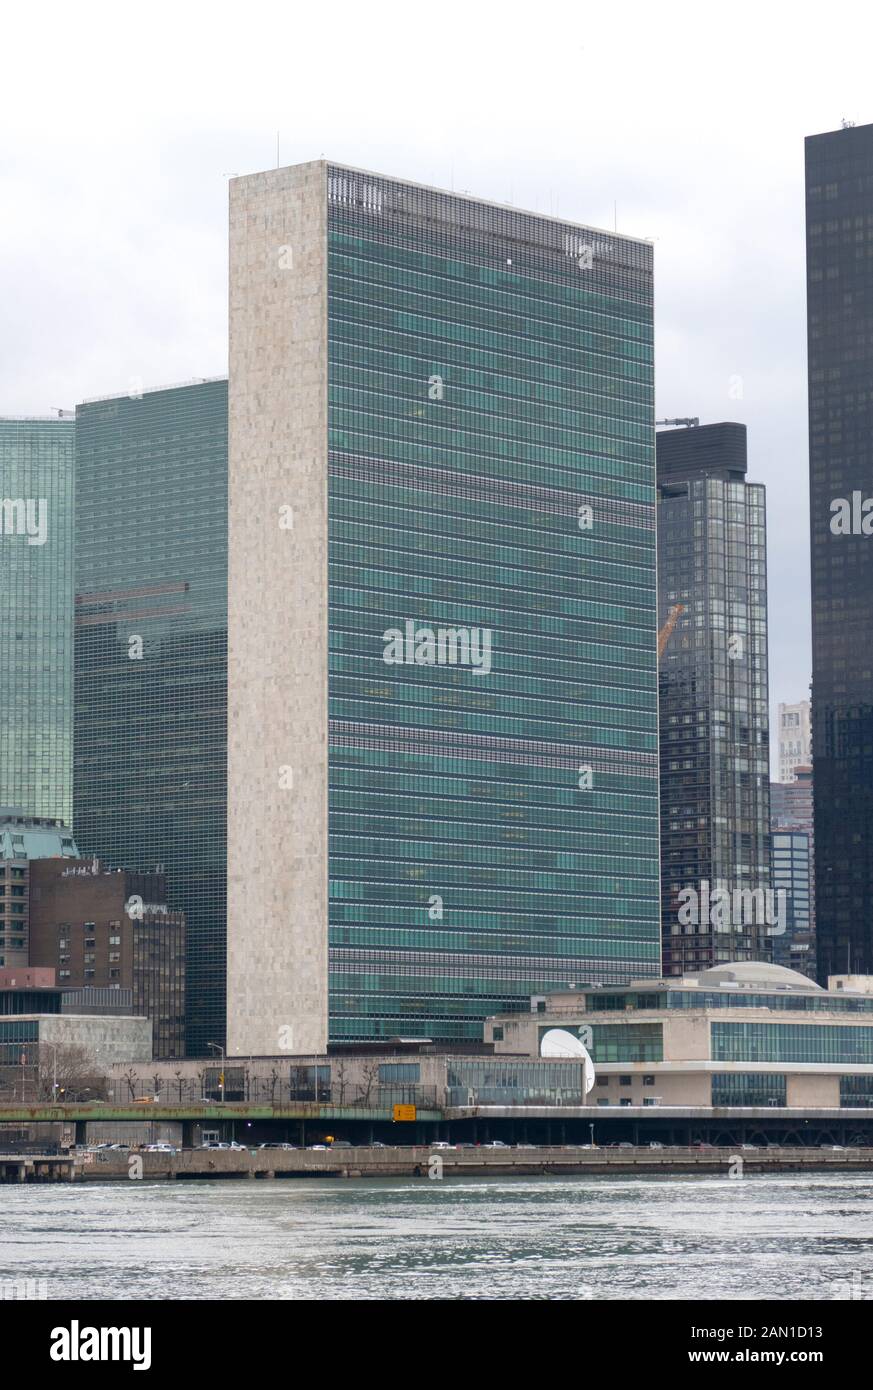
[(756, 973)]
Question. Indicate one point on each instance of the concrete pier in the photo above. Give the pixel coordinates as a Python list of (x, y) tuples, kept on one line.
[(426, 1162)]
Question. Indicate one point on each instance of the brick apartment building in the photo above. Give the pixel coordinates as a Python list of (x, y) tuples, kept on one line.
[(112, 928)]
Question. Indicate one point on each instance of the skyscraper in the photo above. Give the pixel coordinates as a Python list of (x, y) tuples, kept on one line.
[(442, 609), (715, 810), (791, 866), (36, 630), (839, 274), (151, 659), (795, 738), (24, 838)]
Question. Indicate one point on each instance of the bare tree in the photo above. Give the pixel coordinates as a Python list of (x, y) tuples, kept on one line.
[(67, 1073), (340, 1072), (298, 1082), (370, 1073), (131, 1078)]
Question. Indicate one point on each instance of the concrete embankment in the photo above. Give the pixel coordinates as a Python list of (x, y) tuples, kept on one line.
[(423, 1161)]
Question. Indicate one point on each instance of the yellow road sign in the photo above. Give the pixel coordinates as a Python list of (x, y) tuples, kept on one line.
[(404, 1112)]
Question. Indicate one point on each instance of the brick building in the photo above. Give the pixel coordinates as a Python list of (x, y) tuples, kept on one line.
[(112, 928)]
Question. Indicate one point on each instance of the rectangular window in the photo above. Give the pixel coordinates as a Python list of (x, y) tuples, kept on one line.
[(407, 1073)]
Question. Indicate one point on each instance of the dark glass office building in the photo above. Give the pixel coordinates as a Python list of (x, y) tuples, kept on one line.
[(151, 659), (36, 622), (488, 456), (714, 725), (839, 249)]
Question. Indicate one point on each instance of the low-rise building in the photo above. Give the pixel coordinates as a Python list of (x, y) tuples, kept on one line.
[(745, 1034)]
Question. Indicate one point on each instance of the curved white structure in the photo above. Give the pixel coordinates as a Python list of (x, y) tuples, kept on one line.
[(559, 1042)]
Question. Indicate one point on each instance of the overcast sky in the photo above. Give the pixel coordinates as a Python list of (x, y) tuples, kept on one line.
[(120, 125)]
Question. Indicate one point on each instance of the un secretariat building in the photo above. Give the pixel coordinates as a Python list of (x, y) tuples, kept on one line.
[(442, 774)]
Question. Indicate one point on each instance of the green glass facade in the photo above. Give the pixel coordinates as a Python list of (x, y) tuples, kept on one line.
[(151, 660), (627, 1042), (831, 1002), (503, 1082), (749, 1088), (493, 822), (792, 1042), (36, 633)]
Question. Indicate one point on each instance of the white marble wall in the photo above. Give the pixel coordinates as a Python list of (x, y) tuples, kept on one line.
[(277, 638)]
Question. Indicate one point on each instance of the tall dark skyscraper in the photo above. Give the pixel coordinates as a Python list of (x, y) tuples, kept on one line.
[(151, 659), (714, 726), (839, 273)]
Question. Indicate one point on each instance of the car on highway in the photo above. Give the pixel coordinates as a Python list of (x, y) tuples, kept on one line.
[(317, 1148), (291, 1147), (160, 1149), (441, 1144), (495, 1144)]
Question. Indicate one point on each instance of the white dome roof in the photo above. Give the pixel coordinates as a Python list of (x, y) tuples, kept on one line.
[(759, 973)]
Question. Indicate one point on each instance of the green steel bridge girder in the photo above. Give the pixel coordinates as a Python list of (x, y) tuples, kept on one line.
[(233, 1110)]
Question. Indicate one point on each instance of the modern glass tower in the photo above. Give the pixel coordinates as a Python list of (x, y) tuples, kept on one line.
[(442, 656), (839, 250), (151, 659), (36, 628), (715, 788)]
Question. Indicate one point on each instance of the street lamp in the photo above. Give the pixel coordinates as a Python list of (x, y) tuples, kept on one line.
[(591, 1127), (221, 1073)]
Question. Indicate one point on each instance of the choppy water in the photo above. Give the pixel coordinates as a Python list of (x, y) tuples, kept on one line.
[(773, 1236)]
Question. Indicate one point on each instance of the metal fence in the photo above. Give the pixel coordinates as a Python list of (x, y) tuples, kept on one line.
[(264, 1090)]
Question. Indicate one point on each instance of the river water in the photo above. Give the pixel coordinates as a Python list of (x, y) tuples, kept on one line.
[(768, 1236)]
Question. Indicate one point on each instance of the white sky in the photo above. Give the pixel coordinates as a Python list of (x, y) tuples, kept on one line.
[(119, 125)]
